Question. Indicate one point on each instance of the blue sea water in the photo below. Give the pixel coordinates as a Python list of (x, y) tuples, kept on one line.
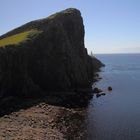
[(116, 116)]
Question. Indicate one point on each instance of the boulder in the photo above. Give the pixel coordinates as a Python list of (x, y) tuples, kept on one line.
[(109, 88), (97, 90)]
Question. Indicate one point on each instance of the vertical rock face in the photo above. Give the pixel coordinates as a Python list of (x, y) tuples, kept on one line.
[(54, 60)]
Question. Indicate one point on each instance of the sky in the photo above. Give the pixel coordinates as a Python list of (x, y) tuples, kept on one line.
[(111, 26)]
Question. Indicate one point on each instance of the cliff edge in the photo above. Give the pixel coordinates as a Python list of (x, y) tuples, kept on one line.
[(46, 55)]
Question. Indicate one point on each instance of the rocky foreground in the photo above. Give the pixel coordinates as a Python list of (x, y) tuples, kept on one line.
[(41, 121), (45, 56)]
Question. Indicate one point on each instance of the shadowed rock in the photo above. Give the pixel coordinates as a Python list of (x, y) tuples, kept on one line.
[(53, 60), (97, 90), (109, 88)]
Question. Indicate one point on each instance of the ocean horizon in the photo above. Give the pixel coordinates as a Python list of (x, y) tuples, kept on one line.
[(117, 114)]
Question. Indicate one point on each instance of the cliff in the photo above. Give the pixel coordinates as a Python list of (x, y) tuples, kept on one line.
[(46, 55)]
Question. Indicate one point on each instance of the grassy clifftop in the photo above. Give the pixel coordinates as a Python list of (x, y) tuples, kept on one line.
[(46, 55), (40, 24), (19, 38)]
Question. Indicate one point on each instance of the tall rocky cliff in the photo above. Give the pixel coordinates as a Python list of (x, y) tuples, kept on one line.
[(54, 60)]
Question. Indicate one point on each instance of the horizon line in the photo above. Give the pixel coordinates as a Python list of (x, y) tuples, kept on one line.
[(118, 53)]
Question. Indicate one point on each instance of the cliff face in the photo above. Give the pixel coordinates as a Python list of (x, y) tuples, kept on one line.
[(53, 60)]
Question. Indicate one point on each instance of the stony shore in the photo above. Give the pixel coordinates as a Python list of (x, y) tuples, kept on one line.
[(38, 120)]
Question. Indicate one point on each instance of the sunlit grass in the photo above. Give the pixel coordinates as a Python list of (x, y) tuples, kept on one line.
[(18, 38)]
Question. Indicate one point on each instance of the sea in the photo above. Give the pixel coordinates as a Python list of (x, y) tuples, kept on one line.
[(116, 116)]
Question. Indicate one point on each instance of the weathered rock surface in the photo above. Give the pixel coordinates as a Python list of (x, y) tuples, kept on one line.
[(44, 122), (56, 60)]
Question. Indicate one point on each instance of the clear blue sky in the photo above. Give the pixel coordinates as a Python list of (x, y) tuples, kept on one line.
[(112, 26)]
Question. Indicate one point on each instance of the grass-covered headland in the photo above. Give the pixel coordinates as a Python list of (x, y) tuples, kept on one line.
[(46, 55), (19, 38)]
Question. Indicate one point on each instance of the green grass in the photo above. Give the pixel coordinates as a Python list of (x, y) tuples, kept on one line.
[(70, 10), (18, 38)]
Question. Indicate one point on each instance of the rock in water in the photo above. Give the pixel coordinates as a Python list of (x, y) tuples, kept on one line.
[(47, 54), (109, 88)]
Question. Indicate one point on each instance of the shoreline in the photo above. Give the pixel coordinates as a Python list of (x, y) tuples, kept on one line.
[(43, 121), (57, 115)]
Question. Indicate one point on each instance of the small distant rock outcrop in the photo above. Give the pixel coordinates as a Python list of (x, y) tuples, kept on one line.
[(109, 88), (54, 60)]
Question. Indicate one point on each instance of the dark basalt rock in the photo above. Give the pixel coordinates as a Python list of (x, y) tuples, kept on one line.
[(97, 90), (109, 88), (100, 94), (56, 60)]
